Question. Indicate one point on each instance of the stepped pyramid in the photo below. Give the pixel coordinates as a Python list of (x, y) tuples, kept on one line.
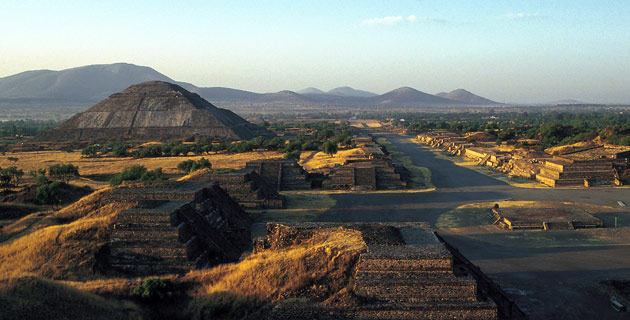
[(153, 111)]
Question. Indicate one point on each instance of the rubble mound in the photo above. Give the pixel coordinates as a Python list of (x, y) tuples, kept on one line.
[(173, 230), (153, 111)]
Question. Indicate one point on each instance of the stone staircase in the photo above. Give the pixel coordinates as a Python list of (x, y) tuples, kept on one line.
[(281, 174)]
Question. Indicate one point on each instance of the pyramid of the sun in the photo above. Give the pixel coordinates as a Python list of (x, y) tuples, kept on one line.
[(153, 111)]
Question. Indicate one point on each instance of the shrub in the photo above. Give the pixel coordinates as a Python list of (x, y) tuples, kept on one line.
[(154, 174), (90, 151), (155, 290), (132, 173), (295, 154), (189, 166)]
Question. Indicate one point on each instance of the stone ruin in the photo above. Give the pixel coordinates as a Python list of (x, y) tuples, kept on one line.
[(247, 188), (282, 174), (365, 175), (407, 274), (153, 111), (545, 219), (373, 170), (583, 167), (175, 229)]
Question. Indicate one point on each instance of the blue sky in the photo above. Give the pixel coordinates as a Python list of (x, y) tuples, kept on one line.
[(509, 51)]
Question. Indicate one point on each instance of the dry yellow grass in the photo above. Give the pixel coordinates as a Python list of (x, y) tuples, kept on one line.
[(36, 298), (318, 267), (272, 274), (87, 166), (313, 160), (366, 123), (63, 251)]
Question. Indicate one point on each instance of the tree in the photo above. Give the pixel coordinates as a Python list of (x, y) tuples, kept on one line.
[(10, 177), (329, 148), (90, 151), (63, 172), (49, 193), (295, 155)]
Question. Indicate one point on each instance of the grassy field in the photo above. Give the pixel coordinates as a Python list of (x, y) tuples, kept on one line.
[(105, 166)]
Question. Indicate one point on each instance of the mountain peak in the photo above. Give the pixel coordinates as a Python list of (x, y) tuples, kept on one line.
[(350, 92), (309, 90), (465, 96)]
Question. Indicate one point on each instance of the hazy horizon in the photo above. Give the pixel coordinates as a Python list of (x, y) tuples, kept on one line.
[(519, 51)]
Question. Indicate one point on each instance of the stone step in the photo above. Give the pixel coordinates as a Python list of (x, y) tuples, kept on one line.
[(161, 252), (153, 268), (402, 275), (135, 234), (435, 310), (376, 264), (144, 259), (419, 290), (143, 217)]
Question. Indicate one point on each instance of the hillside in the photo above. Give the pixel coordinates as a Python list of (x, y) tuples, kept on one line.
[(465, 96), (407, 96)]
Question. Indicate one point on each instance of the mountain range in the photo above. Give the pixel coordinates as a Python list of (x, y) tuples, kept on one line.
[(90, 84)]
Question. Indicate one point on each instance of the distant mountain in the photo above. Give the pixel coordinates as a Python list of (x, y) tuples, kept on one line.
[(285, 97), (83, 84), (407, 96), (309, 90), (465, 96), (350, 92), (221, 94)]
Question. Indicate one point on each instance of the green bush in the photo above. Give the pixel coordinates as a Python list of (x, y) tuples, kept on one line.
[(155, 290), (63, 172), (49, 193)]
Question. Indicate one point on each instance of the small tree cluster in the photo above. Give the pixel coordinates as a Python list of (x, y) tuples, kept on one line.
[(189, 166), (135, 173), (155, 290), (63, 172)]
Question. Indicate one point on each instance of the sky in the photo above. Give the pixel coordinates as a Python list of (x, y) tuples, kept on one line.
[(507, 51)]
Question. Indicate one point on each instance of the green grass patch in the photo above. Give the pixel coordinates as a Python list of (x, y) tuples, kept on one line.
[(467, 217)]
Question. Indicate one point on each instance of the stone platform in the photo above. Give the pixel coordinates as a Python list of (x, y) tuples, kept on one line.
[(545, 218), (406, 273)]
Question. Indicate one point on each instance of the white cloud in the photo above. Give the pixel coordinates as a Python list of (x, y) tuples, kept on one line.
[(384, 20), (523, 16), (392, 20)]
